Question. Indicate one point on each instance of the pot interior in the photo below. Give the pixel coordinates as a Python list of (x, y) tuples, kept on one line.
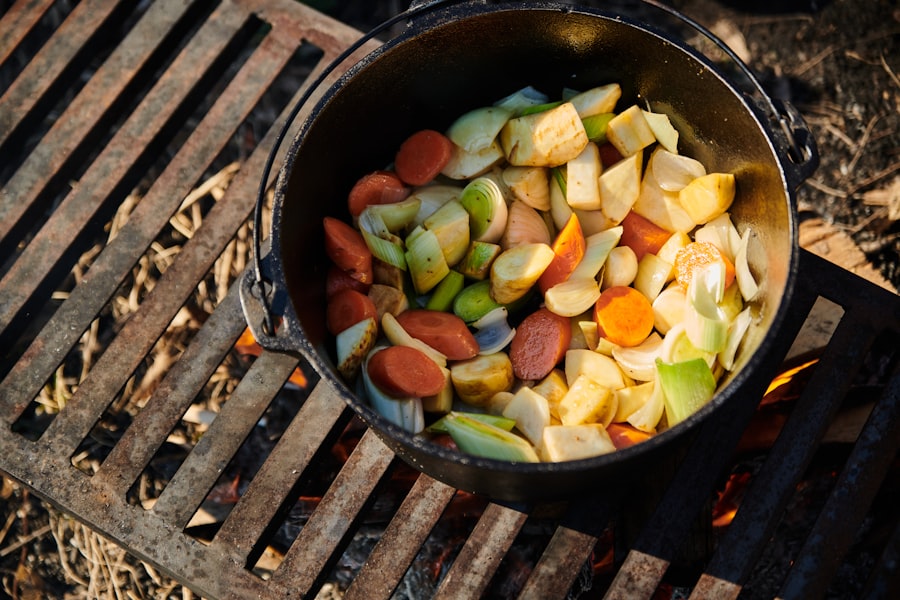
[(471, 56)]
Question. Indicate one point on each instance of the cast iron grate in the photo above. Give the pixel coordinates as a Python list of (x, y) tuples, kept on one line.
[(138, 98)]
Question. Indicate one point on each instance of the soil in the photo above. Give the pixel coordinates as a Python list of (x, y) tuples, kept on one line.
[(836, 61)]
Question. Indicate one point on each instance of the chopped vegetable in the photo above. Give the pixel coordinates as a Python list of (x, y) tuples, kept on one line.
[(477, 129), (425, 260), (696, 256), (620, 186), (443, 331), (642, 235), (484, 201), (378, 187), (707, 197), (524, 226), (505, 423), (402, 371), (531, 185), (545, 139), (450, 225), (531, 412), (541, 341), (587, 401), (476, 263), (483, 439), (445, 293), (623, 315), (629, 131), (686, 387), (477, 379), (517, 269), (347, 249), (348, 307), (403, 412), (574, 442), (353, 344)]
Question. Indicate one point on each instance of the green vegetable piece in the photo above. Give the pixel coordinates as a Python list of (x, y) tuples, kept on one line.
[(474, 302), (539, 108), (489, 441), (686, 386), (595, 126), (476, 263), (560, 176), (505, 423), (425, 260), (446, 291)]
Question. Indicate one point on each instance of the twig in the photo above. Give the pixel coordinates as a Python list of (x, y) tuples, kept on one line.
[(890, 71), (824, 188), (876, 177), (862, 143), (25, 540)]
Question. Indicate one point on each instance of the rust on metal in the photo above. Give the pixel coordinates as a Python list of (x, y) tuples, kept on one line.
[(638, 577), (566, 553), (17, 23), (401, 541)]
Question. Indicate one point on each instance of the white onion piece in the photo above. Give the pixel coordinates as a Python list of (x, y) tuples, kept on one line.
[(621, 267), (596, 250), (572, 297), (493, 331), (639, 362), (736, 331), (674, 171), (745, 280)]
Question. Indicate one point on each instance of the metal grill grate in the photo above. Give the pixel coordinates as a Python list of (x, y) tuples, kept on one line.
[(151, 71)]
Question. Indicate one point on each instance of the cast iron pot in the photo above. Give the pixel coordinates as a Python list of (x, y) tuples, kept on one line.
[(452, 58)]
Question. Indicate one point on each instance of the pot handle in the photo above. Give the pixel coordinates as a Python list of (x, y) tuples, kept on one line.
[(261, 300), (797, 144)]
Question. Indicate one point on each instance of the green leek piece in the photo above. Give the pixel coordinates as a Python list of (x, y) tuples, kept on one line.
[(450, 223), (385, 250), (396, 215), (595, 127), (446, 291), (489, 441), (425, 260), (474, 301), (539, 108), (484, 201), (686, 386), (476, 264), (505, 423), (560, 176)]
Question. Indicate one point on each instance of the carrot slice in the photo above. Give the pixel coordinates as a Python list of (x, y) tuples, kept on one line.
[(348, 307), (378, 187), (641, 235), (623, 315), (346, 247), (445, 332), (696, 255), (405, 372), (337, 279), (541, 341), (568, 247), (423, 156)]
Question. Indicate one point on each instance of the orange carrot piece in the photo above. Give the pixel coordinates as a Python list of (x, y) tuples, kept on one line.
[(405, 372), (423, 156), (623, 315), (641, 235), (348, 307), (346, 247), (378, 187), (569, 247), (541, 341), (443, 331), (624, 435), (696, 255)]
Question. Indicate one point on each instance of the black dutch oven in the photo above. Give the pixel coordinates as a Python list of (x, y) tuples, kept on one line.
[(456, 56)]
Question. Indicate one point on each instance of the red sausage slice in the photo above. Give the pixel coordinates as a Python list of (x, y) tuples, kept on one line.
[(405, 372), (346, 247), (445, 332), (348, 307), (379, 187), (423, 156), (541, 341)]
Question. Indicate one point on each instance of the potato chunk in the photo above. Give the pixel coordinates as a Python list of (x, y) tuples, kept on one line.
[(544, 139)]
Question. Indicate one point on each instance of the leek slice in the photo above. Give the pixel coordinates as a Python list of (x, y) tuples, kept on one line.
[(476, 130), (484, 201), (705, 323), (536, 108), (639, 362), (736, 331), (381, 242), (403, 412), (745, 280), (446, 291), (505, 423), (488, 441), (595, 127), (476, 263), (686, 387), (474, 301), (425, 259)]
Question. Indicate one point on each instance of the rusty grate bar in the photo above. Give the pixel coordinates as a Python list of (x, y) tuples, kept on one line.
[(18, 22)]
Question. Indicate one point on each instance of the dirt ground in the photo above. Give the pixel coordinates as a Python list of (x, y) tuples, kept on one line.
[(837, 61)]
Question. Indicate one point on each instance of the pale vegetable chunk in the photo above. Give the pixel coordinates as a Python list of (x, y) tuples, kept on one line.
[(597, 100), (450, 224), (466, 165), (531, 185), (477, 379), (544, 139), (599, 367), (517, 269), (620, 186), (553, 387), (629, 131), (583, 179), (707, 197), (573, 296), (661, 207), (587, 401), (531, 412), (441, 402), (574, 442), (662, 130), (631, 399), (621, 267)]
